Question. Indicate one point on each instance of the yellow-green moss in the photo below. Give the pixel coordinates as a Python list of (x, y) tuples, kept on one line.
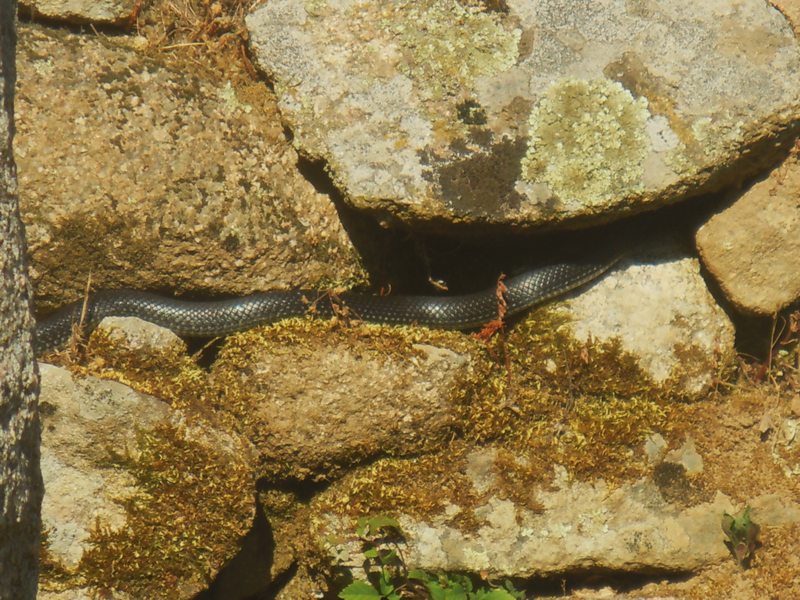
[(536, 395), (193, 503), (53, 575), (540, 392), (419, 486), (191, 509), (582, 405), (538, 398), (587, 141)]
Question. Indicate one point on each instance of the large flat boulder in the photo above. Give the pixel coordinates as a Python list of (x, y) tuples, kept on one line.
[(530, 113)]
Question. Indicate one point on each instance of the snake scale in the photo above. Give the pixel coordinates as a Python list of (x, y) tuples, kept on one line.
[(223, 317)]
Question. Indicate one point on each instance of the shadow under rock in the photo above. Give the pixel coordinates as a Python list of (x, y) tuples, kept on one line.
[(247, 575)]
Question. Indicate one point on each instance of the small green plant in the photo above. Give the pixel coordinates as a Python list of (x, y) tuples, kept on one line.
[(389, 579), (451, 586), (385, 568), (742, 534)]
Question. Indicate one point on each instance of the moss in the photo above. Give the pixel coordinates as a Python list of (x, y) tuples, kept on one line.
[(52, 572), (421, 487), (516, 480), (193, 503), (540, 393), (190, 511), (167, 373), (537, 396), (587, 406), (537, 399), (587, 141)]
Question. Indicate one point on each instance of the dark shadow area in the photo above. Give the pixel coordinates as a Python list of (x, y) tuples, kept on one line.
[(302, 490), (276, 586), (566, 583), (620, 582), (247, 574), (402, 261), (386, 252), (204, 350)]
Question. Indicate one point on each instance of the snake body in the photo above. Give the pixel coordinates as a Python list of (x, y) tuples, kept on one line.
[(223, 317)]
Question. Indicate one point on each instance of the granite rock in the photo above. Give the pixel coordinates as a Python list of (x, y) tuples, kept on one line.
[(145, 176), (100, 12), (530, 114), (752, 247)]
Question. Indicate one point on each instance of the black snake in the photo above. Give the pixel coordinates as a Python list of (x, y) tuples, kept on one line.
[(222, 317)]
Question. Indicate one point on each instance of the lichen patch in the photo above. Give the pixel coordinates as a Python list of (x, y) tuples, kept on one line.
[(457, 44), (587, 141)]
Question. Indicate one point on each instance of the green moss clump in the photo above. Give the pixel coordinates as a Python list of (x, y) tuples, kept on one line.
[(420, 486), (167, 373), (192, 507), (587, 406), (535, 398)]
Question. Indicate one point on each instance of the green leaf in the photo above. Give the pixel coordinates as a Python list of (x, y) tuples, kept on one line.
[(421, 575), (456, 593), (371, 553), (383, 522), (511, 589), (742, 533), (461, 582), (452, 592), (359, 590), (385, 584), (436, 591), (361, 527), (369, 526)]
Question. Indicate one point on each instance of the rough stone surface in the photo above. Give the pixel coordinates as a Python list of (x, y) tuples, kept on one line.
[(530, 113), (660, 309), (752, 247), (148, 177), (493, 507), (102, 12), (20, 476), (88, 424), (137, 334), (77, 492), (577, 525), (791, 10), (318, 402)]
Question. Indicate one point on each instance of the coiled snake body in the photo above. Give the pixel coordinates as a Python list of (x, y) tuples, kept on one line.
[(222, 317)]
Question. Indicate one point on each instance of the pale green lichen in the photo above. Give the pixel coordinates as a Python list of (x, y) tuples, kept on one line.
[(587, 141), (449, 45), (315, 7), (230, 101)]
